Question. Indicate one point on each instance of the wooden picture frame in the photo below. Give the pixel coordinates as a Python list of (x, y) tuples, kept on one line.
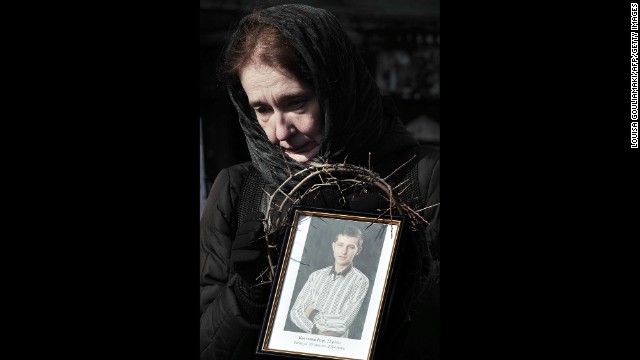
[(328, 299)]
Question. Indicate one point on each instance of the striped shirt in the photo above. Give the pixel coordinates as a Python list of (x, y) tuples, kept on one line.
[(336, 297)]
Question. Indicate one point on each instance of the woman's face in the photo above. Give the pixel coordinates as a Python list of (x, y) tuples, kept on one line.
[(287, 110)]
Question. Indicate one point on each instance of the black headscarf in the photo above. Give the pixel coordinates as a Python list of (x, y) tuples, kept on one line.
[(355, 120)]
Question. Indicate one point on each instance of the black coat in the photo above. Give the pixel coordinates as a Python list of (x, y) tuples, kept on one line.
[(226, 332)]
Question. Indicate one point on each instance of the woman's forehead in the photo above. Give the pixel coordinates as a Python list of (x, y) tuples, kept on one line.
[(260, 80)]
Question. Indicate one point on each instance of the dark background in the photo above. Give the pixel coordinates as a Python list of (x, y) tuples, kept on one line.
[(101, 177), (318, 254), (399, 41)]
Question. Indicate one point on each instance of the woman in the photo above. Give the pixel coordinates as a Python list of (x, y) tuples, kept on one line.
[(304, 95)]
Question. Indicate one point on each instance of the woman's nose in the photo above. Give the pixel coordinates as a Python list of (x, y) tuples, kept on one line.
[(284, 128)]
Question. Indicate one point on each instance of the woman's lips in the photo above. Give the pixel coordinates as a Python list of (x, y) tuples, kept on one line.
[(302, 153)]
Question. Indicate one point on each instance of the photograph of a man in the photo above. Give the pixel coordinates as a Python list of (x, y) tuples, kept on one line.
[(332, 296)]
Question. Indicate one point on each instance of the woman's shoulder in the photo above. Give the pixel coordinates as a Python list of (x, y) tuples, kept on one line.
[(428, 154), (228, 184), (232, 177), (428, 163), (236, 172)]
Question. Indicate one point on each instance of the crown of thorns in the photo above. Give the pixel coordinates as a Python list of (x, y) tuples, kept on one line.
[(341, 177)]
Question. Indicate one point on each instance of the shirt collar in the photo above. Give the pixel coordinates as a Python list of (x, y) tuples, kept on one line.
[(343, 272)]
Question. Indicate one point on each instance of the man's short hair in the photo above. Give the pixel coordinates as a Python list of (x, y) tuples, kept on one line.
[(352, 231)]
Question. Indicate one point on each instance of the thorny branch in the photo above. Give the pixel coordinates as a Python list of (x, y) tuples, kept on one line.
[(342, 176)]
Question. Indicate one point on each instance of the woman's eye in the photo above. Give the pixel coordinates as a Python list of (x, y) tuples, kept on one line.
[(296, 104), (262, 110)]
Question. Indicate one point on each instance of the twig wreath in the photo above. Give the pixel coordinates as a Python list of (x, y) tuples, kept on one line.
[(342, 177)]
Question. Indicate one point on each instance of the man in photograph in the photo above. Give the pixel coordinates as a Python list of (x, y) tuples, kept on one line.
[(331, 298)]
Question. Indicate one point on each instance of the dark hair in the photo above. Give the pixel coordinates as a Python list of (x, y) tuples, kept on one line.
[(352, 231), (257, 41)]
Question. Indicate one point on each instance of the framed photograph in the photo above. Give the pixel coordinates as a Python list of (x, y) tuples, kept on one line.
[(329, 295)]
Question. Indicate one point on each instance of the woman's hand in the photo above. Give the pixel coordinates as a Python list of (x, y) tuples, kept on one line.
[(249, 250)]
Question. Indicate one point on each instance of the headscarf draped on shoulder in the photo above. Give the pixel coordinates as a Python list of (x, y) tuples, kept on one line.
[(355, 120)]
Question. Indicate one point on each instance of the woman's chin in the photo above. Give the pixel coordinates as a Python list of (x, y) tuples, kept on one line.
[(304, 156), (301, 158)]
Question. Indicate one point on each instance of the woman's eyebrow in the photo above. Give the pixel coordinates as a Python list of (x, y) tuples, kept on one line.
[(288, 97), (257, 103), (282, 99)]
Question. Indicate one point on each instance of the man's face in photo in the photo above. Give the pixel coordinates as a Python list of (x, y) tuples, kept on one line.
[(345, 248)]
